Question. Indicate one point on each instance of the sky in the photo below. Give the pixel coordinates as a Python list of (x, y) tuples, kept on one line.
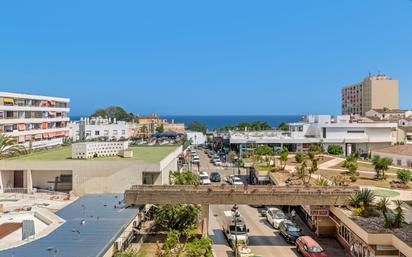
[(215, 57)]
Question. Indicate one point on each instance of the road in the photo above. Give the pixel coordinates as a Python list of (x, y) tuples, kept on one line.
[(263, 239)]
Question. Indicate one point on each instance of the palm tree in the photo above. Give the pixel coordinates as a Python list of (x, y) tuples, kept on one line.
[(399, 217), (381, 166), (383, 207), (365, 196), (8, 147)]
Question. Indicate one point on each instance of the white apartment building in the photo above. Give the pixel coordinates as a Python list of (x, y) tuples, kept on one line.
[(196, 138), (321, 129), (99, 128), (34, 121)]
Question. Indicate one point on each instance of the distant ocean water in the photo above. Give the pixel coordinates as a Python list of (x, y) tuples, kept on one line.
[(219, 121)]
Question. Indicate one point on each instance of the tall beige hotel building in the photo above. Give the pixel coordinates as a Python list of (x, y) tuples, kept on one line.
[(374, 92)]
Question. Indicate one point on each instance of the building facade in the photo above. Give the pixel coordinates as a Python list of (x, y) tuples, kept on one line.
[(99, 128), (320, 129), (374, 92), (34, 121)]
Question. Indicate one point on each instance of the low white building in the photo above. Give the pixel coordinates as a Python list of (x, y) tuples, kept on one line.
[(386, 114), (87, 150), (98, 128), (322, 129), (196, 138), (401, 155)]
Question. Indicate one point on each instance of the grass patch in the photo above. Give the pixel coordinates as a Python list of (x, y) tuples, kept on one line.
[(151, 154), (263, 168), (385, 193)]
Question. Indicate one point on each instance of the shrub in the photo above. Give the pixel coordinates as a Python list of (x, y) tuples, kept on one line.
[(335, 150), (299, 157), (353, 178), (404, 176)]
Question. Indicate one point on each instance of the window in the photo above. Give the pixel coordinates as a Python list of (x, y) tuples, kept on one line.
[(96, 133), (106, 132), (115, 132), (356, 132), (324, 132), (123, 132)]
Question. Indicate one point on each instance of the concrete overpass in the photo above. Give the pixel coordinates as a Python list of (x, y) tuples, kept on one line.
[(242, 195)]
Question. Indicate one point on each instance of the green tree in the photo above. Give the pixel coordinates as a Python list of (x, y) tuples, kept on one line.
[(284, 154), (283, 126), (183, 178), (160, 129), (264, 152), (9, 148), (112, 112), (232, 155), (177, 216), (186, 243), (381, 166), (299, 157), (404, 176), (335, 150), (130, 253), (197, 126)]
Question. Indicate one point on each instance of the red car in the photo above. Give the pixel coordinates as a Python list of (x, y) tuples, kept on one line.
[(308, 247)]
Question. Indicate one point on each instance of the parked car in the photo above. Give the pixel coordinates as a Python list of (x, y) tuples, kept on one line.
[(308, 247), (215, 176), (217, 161), (290, 231), (204, 178), (195, 159), (234, 180), (275, 216)]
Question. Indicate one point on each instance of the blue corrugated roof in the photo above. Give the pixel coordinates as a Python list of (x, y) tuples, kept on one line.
[(102, 227)]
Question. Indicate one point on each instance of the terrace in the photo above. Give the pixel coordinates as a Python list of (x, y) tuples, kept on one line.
[(149, 154)]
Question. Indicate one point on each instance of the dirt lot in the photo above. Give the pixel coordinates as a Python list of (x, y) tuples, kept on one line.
[(363, 179)]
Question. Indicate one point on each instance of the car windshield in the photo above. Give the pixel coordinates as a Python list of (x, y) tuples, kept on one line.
[(236, 179), (315, 249), (239, 231), (293, 228), (204, 177), (278, 215)]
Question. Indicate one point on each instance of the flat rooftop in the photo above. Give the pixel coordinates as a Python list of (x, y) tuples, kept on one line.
[(103, 224), (149, 154), (404, 150)]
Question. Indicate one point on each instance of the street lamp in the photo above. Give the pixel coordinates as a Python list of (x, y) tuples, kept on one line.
[(236, 215)]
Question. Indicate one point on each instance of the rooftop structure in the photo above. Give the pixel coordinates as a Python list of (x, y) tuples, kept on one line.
[(149, 154), (106, 220), (55, 170), (374, 92), (34, 121), (87, 150)]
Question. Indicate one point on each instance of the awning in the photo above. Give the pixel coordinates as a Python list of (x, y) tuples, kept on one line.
[(28, 137), (22, 127), (44, 125), (8, 100), (38, 136), (45, 135)]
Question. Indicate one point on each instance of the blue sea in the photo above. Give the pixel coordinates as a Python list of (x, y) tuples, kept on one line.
[(219, 121)]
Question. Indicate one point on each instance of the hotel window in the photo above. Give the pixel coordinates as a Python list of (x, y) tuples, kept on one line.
[(115, 132), (106, 132), (123, 132), (96, 133)]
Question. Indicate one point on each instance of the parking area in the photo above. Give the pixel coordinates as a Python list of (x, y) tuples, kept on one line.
[(264, 240)]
